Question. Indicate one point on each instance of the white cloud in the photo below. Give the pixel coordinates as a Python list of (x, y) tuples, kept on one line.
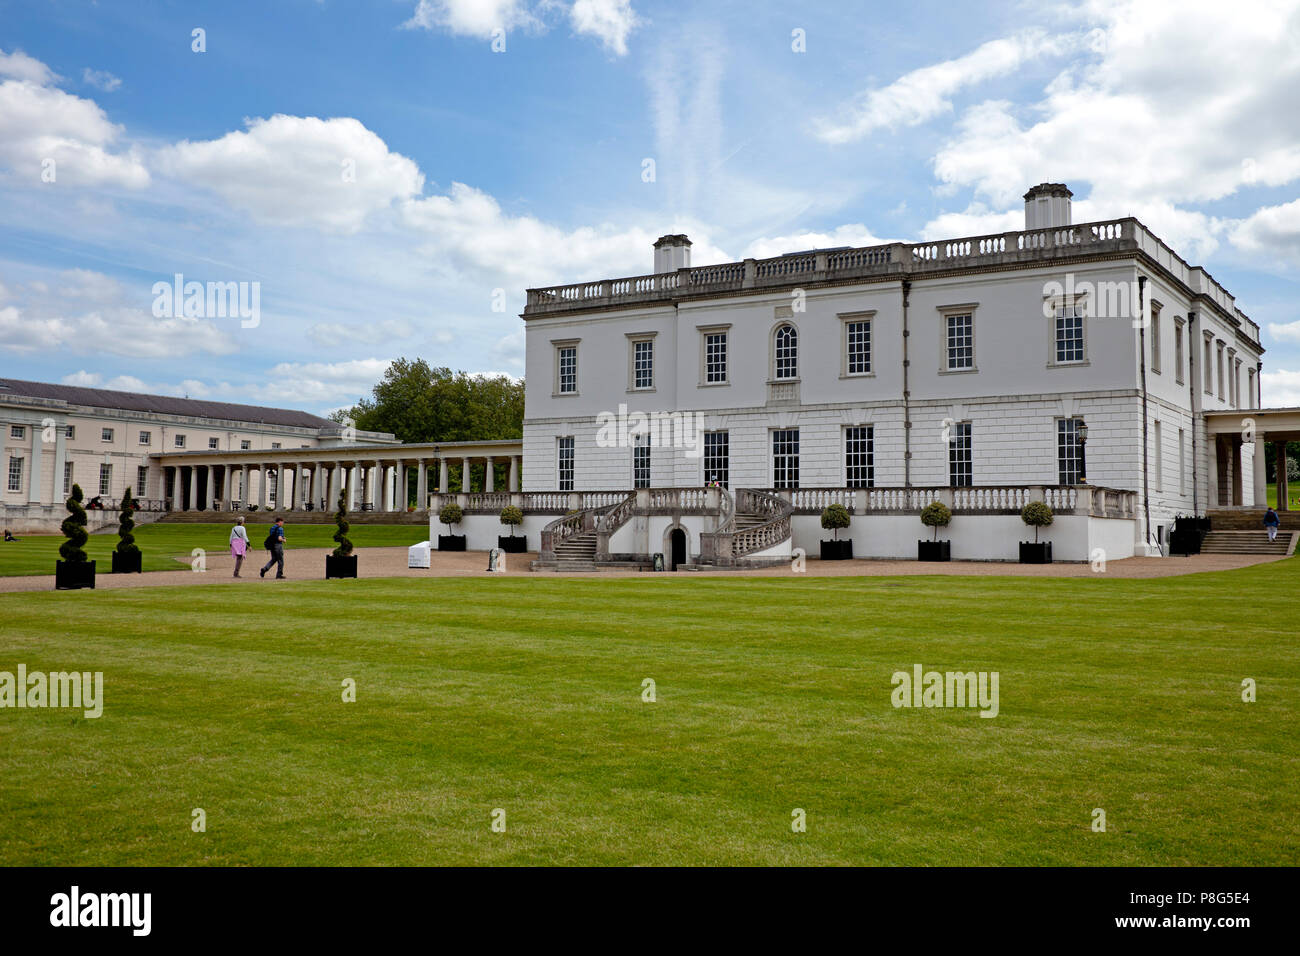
[(1288, 332), (20, 66), (925, 93), (509, 350), (40, 124), (976, 220), (299, 171), (1280, 388), (476, 18), (854, 234), (101, 79), (609, 20), (334, 334), (317, 382), (1273, 232)]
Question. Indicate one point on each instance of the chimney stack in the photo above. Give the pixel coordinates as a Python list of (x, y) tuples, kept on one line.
[(672, 253), (1047, 206)]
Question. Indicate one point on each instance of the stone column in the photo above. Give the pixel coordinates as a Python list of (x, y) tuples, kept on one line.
[(1235, 451), (332, 492), (192, 503), (227, 486), (489, 479), (421, 485), (287, 490), (1283, 494), (243, 488), (464, 476), (354, 485), (399, 486), (261, 487), (514, 473), (1259, 473), (385, 488), (443, 478)]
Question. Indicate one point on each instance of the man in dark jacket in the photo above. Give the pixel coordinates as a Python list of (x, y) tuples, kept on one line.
[(275, 544), (1271, 522)]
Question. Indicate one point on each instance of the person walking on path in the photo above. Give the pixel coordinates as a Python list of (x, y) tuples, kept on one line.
[(275, 544), (239, 544), (1272, 522)]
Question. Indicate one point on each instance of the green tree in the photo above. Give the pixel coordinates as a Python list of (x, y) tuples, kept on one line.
[(341, 520), (74, 529), (125, 524)]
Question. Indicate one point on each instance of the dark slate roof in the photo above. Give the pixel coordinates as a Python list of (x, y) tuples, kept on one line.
[(161, 404)]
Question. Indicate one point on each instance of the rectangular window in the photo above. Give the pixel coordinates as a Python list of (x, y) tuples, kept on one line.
[(214, 443), (961, 342), (566, 464), (1208, 383), (15, 474), (641, 462), (1179, 357), (106, 434), (785, 458), (1250, 387), (180, 441), (960, 473), (859, 457), (1154, 332), (1069, 334), (1218, 362), (67, 478), (17, 431), (643, 365), (142, 481), (715, 357), (568, 370), (717, 458), (70, 431), (105, 479), (146, 438), (245, 444), (857, 344), (1069, 452), (275, 444)]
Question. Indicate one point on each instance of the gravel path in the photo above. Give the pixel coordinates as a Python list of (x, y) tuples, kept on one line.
[(309, 564)]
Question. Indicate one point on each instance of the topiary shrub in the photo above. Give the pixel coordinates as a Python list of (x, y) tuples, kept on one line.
[(835, 517), (341, 535), (74, 529), (450, 515), (512, 517), (1037, 515), (125, 524), (936, 515)]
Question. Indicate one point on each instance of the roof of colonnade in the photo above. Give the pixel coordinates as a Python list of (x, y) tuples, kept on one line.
[(451, 450)]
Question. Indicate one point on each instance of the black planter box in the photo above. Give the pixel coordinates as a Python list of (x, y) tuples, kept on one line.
[(934, 550), (1035, 552), (1186, 541), (127, 563), (451, 542), (837, 550), (512, 543), (70, 577), (340, 567)]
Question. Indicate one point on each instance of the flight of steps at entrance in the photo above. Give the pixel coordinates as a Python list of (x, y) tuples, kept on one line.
[(1248, 542), (576, 553), (1251, 519)]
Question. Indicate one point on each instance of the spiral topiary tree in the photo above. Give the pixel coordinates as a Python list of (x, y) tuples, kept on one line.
[(74, 529), (936, 515), (1036, 514), (125, 524), (450, 515), (344, 547), (512, 517), (835, 517)]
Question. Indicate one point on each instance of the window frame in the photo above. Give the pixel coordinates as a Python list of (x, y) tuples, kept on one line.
[(178, 440), (559, 347), (142, 481), (105, 480), (1180, 350), (788, 456), (711, 455), (106, 435), (13, 478), (641, 459), (563, 442), (960, 430), (946, 314), (706, 332), (848, 320), (635, 340), (1069, 451), (870, 452), (17, 432), (774, 369)]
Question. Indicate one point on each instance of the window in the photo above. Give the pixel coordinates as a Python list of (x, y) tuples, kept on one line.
[(959, 456), (1218, 363), (1069, 334), (566, 464), (1208, 383), (69, 431), (787, 353), (785, 458), (146, 438), (273, 484), (1179, 357), (641, 462), (717, 458), (214, 443), (1069, 452), (15, 474), (180, 441), (857, 347), (105, 479), (17, 431), (1154, 332), (275, 444), (643, 363), (106, 434), (715, 358), (961, 342), (1250, 387), (245, 444), (67, 478), (566, 381), (859, 458), (142, 481)]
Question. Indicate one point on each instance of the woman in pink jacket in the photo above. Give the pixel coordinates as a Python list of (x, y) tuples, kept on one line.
[(238, 543)]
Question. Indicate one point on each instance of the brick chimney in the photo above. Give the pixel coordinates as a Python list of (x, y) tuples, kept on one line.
[(1047, 206), (672, 253)]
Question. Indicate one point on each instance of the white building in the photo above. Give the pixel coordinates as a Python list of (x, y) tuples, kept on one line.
[(967, 371)]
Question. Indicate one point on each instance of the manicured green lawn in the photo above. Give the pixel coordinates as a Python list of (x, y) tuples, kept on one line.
[(164, 544), (525, 694), (1293, 495)]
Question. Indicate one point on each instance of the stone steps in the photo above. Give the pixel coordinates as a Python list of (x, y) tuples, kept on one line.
[(1248, 542)]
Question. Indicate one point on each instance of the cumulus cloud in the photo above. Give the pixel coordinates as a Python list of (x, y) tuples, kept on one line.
[(854, 234), (610, 21), (926, 92), (1281, 388), (319, 382), (299, 171), (101, 79), (334, 334), (47, 132), (1273, 231)]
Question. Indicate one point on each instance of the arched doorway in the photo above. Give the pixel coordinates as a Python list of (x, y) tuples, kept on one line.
[(677, 544)]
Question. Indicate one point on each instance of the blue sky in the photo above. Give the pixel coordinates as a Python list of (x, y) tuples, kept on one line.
[(477, 170)]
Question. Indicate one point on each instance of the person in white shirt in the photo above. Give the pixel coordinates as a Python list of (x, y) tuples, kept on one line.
[(239, 542)]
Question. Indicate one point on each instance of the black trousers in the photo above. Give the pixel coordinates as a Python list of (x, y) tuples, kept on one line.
[(277, 557)]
